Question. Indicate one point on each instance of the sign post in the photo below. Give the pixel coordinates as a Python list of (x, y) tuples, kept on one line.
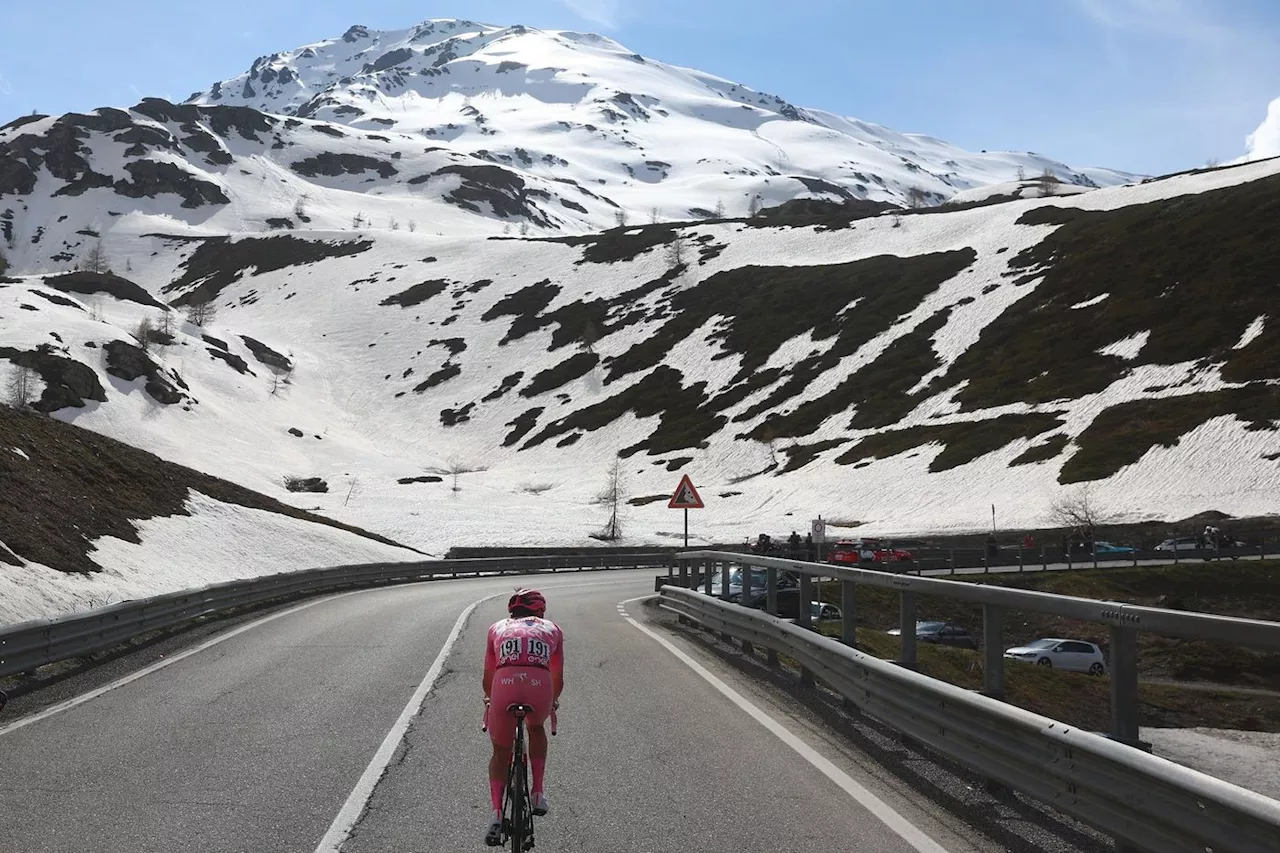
[(685, 498)]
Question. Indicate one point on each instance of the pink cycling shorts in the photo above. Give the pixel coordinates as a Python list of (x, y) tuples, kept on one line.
[(525, 685)]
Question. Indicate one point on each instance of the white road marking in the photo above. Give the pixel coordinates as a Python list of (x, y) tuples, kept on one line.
[(356, 802), (158, 665), (869, 801)]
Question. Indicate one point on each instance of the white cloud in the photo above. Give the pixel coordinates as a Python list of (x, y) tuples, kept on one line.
[(604, 13), (1265, 141), (6, 88)]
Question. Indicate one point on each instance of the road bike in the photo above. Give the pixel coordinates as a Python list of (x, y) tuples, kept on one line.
[(517, 804)]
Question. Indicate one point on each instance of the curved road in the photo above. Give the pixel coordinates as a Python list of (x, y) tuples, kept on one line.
[(257, 742)]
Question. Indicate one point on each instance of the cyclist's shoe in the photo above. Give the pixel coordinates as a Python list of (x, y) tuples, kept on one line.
[(540, 804), (493, 835)]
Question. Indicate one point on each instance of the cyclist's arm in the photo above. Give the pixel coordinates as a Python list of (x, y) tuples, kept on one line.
[(490, 664), (557, 668)]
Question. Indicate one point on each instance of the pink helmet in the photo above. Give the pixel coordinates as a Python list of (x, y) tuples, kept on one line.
[(528, 599)]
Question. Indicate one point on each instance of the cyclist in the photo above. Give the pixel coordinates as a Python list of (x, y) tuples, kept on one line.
[(523, 663)]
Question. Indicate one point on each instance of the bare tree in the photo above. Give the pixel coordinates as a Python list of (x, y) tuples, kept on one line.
[(95, 309), (676, 253), (524, 228), (1048, 182), (897, 220), (653, 215), (1022, 174), (1078, 510), (358, 221), (590, 334), (96, 260), (142, 334), (620, 218), (612, 497), (413, 226), (4, 264), (279, 377), (300, 208), (21, 386), (166, 322), (719, 211), (755, 205), (202, 312), (395, 224), (916, 198)]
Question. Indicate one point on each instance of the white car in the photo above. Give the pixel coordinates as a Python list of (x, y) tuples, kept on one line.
[(1071, 655)]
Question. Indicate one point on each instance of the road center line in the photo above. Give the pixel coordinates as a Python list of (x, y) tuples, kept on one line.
[(887, 815), (359, 798)]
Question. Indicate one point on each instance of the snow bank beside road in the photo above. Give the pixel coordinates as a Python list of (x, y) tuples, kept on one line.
[(217, 542)]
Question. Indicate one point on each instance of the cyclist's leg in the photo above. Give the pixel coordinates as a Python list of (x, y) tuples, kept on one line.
[(538, 755)]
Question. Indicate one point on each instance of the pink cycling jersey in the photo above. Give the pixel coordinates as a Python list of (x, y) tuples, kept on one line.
[(525, 658), (530, 641)]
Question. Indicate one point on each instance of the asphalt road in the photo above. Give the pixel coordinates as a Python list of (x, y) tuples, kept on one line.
[(256, 743)]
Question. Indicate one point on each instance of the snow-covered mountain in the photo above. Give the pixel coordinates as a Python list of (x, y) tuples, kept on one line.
[(901, 371), (454, 127)]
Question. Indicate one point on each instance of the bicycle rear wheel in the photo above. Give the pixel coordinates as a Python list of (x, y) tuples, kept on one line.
[(520, 829)]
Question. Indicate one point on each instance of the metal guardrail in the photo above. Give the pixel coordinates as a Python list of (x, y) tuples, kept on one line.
[(1145, 802), (1124, 621), (28, 645)]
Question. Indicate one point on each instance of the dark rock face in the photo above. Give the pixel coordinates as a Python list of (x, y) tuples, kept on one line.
[(392, 59), (151, 178), (67, 381), (88, 283), (129, 362), (305, 484), (328, 163), (266, 354)]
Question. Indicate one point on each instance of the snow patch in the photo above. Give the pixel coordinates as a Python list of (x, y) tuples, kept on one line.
[(1255, 329), (217, 542), (1088, 302), (1248, 759), (1127, 348), (21, 453)]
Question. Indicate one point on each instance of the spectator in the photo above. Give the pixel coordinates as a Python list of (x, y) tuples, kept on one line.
[(794, 542), (1029, 542), (808, 547), (993, 547)]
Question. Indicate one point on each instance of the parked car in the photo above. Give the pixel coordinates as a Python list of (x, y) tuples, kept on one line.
[(1110, 548), (863, 551), (1071, 655), (1180, 543), (789, 606), (758, 580), (942, 633)]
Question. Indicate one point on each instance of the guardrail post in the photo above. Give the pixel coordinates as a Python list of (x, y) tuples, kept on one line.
[(1020, 558), (747, 647), (1124, 685), (848, 617), (1093, 546), (1069, 564), (803, 620), (684, 573), (771, 603), (993, 651), (1044, 559), (907, 624), (708, 568), (724, 581)]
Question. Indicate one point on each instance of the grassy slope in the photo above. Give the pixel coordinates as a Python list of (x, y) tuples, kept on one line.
[(1243, 589)]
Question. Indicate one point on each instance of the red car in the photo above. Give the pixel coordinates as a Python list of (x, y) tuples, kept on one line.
[(855, 551)]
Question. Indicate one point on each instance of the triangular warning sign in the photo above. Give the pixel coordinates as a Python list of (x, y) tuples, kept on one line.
[(686, 496)]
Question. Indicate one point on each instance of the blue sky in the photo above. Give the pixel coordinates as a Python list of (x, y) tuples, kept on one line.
[(1144, 85)]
